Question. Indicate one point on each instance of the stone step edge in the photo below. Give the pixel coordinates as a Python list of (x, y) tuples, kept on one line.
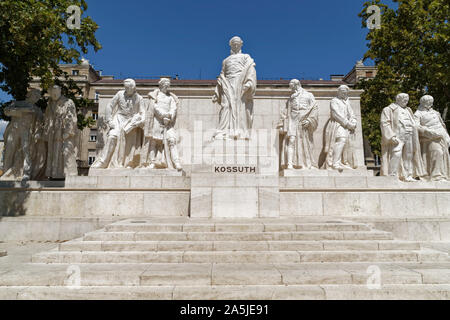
[(251, 292)]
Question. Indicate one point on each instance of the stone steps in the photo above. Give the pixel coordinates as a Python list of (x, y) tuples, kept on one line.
[(299, 245), (191, 274), (239, 292), (307, 258), (237, 236), (237, 257), (235, 227)]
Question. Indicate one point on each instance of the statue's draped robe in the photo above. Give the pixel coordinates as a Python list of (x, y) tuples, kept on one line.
[(435, 154), (236, 114), (389, 122), (127, 115), (60, 120), (25, 124), (301, 106), (341, 113), (154, 127)]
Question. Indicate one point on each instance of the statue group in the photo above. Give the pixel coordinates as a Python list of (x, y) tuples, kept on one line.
[(414, 146), (40, 146), (140, 133)]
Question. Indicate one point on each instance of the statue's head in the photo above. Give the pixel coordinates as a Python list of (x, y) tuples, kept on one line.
[(130, 86), (402, 99), (55, 92), (343, 92), (33, 95), (295, 84), (426, 102), (164, 84), (236, 44)]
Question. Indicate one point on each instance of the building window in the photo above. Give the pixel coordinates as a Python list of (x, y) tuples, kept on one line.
[(75, 72), (95, 116), (369, 74), (97, 95), (91, 160), (93, 136)]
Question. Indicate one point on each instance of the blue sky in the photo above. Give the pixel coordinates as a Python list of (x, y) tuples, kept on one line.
[(287, 38)]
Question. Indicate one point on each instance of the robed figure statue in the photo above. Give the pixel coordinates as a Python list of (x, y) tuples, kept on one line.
[(234, 93)]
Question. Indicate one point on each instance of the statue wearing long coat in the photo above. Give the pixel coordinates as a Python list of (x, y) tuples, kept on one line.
[(389, 127), (61, 135)]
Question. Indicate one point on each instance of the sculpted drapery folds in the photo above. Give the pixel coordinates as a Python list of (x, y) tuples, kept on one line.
[(340, 133), (61, 135), (434, 140), (125, 116), (400, 147), (24, 156), (299, 121), (235, 89), (160, 146)]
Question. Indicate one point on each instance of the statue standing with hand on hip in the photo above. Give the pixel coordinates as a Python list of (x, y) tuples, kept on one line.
[(160, 145)]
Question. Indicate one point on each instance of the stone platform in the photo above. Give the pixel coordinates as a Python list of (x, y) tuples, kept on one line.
[(138, 172), (360, 172), (250, 259), (226, 195)]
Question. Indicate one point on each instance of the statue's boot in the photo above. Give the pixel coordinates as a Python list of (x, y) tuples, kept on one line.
[(337, 156), (175, 157), (290, 158)]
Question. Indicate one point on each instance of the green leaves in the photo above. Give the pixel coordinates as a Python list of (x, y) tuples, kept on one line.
[(412, 53), (34, 39)]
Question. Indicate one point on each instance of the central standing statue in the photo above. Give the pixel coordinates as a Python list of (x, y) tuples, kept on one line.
[(235, 89)]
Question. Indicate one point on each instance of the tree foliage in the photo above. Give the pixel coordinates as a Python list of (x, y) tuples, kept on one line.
[(34, 39), (411, 51)]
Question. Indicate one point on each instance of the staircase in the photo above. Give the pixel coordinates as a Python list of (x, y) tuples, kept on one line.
[(181, 258)]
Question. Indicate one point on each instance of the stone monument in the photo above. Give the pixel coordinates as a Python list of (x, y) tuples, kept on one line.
[(298, 122), (61, 135), (340, 133), (125, 116), (235, 89), (160, 145), (400, 147), (23, 153), (434, 140)]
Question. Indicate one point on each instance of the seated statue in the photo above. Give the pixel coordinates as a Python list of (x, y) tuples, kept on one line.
[(299, 120), (160, 146), (21, 158), (61, 135), (400, 147), (125, 119), (434, 140), (340, 133)]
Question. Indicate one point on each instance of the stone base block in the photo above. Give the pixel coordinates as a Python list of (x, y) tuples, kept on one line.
[(123, 172), (360, 172), (234, 195)]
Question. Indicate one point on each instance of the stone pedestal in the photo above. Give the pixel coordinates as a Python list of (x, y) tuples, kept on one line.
[(237, 178), (360, 172), (141, 172)]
